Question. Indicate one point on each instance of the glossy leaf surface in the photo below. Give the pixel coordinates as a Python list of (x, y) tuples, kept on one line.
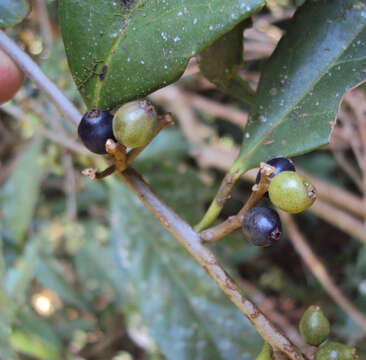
[(20, 193), (188, 317), (118, 51), (321, 56)]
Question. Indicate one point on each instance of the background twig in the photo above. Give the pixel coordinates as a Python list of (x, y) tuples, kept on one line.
[(319, 271)]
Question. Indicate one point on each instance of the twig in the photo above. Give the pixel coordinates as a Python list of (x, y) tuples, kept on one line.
[(171, 98), (217, 204), (319, 271), (58, 137), (190, 240), (340, 219), (32, 70), (171, 221), (216, 109), (268, 308), (45, 25), (338, 196), (233, 222), (357, 100), (93, 173), (70, 187), (348, 169)]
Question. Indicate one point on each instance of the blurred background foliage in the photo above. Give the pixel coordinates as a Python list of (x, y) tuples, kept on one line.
[(87, 273)]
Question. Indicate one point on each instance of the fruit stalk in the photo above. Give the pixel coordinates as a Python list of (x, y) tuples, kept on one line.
[(234, 222)]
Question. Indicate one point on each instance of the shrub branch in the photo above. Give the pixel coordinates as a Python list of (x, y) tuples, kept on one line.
[(183, 232)]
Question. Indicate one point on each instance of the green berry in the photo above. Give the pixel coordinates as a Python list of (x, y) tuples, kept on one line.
[(314, 326), (135, 123), (291, 192), (266, 353), (336, 351)]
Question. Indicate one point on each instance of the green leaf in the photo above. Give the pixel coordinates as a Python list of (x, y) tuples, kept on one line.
[(187, 315), (95, 262), (6, 351), (120, 52), (32, 346), (164, 167), (321, 56), (39, 327), (49, 274), (20, 193), (220, 62), (19, 277), (13, 12)]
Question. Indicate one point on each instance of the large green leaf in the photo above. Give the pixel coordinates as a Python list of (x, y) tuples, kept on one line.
[(187, 315), (32, 346), (119, 51), (20, 193), (13, 12), (19, 277), (320, 57), (50, 274)]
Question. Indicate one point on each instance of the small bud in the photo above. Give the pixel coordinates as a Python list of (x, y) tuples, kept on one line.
[(314, 326)]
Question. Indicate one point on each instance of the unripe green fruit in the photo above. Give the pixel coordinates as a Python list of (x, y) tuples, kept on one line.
[(314, 326), (266, 353), (291, 192), (135, 123), (336, 351)]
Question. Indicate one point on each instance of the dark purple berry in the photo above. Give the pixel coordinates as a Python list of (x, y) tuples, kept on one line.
[(95, 129), (262, 226), (281, 164)]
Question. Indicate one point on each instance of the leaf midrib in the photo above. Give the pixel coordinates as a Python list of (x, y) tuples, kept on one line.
[(99, 84)]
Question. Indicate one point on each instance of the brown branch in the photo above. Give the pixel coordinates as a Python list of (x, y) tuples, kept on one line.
[(45, 25), (190, 240), (234, 222), (268, 308), (319, 271), (57, 137)]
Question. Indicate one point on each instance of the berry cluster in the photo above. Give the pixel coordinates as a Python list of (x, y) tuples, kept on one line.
[(134, 125), (315, 328), (289, 191)]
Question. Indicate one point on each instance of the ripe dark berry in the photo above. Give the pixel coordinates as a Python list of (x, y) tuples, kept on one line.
[(135, 123), (262, 226), (95, 129), (281, 164)]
